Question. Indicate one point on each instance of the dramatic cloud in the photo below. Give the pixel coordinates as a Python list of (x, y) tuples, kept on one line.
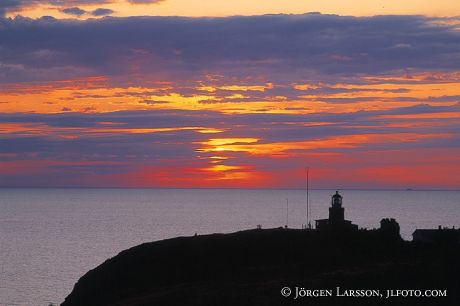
[(69, 148), (298, 47), (237, 101)]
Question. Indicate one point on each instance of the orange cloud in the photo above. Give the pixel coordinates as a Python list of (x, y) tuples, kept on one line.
[(284, 149)]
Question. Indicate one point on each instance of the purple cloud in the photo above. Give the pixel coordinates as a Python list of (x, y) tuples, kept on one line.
[(280, 46), (75, 11), (12, 5), (102, 12)]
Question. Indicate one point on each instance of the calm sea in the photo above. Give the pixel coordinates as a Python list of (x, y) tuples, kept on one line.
[(51, 237)]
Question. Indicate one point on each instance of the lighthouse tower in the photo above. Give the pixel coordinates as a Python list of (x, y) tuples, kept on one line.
[(336, 211), (336, 219)]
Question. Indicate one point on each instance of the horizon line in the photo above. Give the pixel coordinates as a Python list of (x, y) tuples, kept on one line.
[(226, 188)]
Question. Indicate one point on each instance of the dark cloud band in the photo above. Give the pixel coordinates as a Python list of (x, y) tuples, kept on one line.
[(293, 46)]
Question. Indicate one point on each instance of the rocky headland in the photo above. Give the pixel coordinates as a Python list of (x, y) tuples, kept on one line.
[(251, 268)]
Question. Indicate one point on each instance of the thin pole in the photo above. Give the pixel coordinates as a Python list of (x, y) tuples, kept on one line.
[(287, 213), (308, 204)]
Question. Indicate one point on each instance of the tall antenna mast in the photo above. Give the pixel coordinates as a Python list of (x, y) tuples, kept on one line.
[(307, 169), (287, 213)]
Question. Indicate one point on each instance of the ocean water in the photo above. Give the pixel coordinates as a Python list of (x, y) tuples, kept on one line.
[(50, 237)]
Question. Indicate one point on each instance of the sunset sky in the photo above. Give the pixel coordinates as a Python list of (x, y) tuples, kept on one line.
[(214, 93)]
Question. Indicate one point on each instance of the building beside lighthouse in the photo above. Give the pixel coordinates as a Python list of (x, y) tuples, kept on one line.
[(336, 220)]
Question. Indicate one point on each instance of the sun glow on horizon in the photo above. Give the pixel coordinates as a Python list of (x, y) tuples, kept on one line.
[(243, 101)]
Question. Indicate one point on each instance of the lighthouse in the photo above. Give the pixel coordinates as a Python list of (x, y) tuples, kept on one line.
[(336, 219), (336, 211)]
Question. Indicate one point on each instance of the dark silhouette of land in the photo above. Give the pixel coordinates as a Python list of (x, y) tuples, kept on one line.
[(250, 268)]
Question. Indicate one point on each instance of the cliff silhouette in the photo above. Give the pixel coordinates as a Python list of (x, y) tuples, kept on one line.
[(251, 267)]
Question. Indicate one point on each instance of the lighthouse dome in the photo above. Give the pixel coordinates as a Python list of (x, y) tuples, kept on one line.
[(337, 199)]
